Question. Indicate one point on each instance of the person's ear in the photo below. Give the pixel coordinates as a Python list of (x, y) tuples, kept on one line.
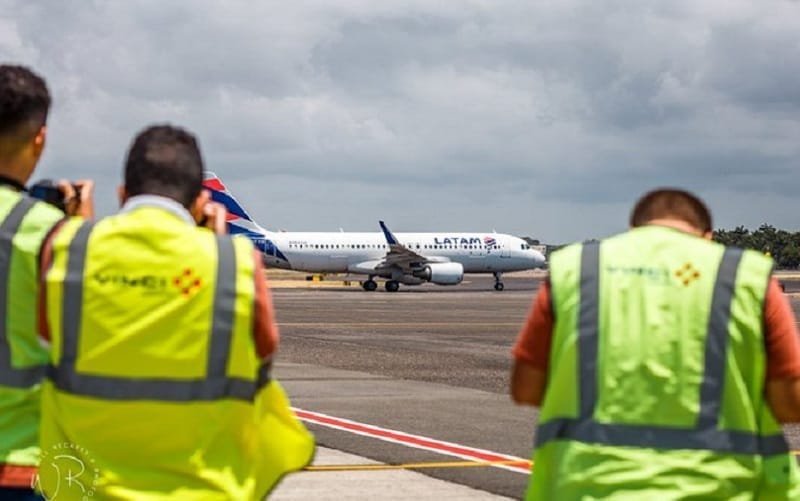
[(39, 141), (196, 208), (122, 194)]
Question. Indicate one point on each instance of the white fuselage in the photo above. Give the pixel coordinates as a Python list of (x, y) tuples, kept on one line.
[(332, 252)]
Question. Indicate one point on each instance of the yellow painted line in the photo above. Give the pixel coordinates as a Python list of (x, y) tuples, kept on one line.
[(414, 466), (428, 465)]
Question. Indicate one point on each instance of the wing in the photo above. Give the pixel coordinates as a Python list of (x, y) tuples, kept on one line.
[(401, 256)]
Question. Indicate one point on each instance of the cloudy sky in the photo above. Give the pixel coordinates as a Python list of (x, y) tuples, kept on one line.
[(540, 118)]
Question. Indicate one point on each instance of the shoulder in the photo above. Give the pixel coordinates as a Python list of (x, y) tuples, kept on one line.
[(757, 258), (750, 260), (564, 271), (45, 213), (755, 269), (566, 254), (241, 241), (38, 215)]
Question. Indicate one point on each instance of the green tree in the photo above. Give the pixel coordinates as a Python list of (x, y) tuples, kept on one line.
[(782, 245), (790, 257)]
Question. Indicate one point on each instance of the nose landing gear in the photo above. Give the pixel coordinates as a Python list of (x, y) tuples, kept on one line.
[(498, 284)]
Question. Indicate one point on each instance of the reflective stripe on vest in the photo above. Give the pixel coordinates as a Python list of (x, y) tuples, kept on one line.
[(10, 376), (705, 435), (216, 384)]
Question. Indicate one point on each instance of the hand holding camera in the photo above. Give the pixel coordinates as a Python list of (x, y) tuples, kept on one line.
[(214, 218), (74, 199)]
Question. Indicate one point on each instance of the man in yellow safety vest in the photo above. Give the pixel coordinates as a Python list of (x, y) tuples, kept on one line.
[(24, 223), (663, 363), (162, 336)]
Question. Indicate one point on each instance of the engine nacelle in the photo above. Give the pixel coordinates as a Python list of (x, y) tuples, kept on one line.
[(441, 273), (411, 280)]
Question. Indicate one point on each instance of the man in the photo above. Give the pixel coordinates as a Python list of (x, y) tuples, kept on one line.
[(24, 222), (663, 363), (162, 336)]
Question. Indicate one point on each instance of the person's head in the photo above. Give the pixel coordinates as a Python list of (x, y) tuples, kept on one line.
[(165, 160), (24, 103), (673, 207)]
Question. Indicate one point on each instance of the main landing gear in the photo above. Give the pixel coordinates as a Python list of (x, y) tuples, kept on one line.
[(370, 285), (498, 284)]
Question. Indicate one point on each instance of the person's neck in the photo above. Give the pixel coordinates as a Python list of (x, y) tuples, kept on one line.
[(676, 224), (12, 170), (12, 177)]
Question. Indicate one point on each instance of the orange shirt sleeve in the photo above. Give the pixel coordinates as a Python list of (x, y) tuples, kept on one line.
[(265, 330), (781, 335), (533, 341)]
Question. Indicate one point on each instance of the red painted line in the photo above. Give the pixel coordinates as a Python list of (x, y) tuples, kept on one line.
[(416, 441)]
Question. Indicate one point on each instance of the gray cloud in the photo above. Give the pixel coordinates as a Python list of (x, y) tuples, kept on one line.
[(545, 119)]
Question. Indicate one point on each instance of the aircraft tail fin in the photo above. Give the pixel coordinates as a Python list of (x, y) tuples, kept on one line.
[(220, 194)]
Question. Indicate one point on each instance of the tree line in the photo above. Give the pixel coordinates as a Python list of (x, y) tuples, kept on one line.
[(782, 245)]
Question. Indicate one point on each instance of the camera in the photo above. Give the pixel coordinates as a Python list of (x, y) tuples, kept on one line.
[(47, 190)]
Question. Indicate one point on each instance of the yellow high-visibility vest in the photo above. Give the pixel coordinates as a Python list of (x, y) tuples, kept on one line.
[(24, 222), (657, 370), (155, 386)]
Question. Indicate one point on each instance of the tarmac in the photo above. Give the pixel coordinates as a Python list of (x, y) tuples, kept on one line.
[(368, 485), (406, 392)]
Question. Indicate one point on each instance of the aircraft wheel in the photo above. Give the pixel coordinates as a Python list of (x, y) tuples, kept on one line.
[(369, 285), (499, 286), (392, 285)]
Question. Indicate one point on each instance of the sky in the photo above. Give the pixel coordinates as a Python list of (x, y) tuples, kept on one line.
[(536, 118)]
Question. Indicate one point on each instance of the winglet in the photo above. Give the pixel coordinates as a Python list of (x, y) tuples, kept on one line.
[(390, 239)]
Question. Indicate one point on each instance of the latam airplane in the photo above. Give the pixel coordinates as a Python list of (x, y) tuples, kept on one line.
[(402, 258)]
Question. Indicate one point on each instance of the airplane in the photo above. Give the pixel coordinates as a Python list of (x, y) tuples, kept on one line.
[(402, 258)]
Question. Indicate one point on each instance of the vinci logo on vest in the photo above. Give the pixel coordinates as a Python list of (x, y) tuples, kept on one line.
[(655, 276), (150, 283), (687, 274), (187, 282)]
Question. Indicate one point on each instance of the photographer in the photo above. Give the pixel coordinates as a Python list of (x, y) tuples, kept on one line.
[(24, 223), (158, 312)]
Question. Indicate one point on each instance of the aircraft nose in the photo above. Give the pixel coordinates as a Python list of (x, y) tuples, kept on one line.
[(538, 259)]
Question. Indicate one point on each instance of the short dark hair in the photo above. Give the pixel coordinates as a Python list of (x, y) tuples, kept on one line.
[(165, 160), (24, 103), (672, 203)]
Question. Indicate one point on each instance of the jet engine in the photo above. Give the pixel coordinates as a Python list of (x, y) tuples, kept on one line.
[(441, 273)]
